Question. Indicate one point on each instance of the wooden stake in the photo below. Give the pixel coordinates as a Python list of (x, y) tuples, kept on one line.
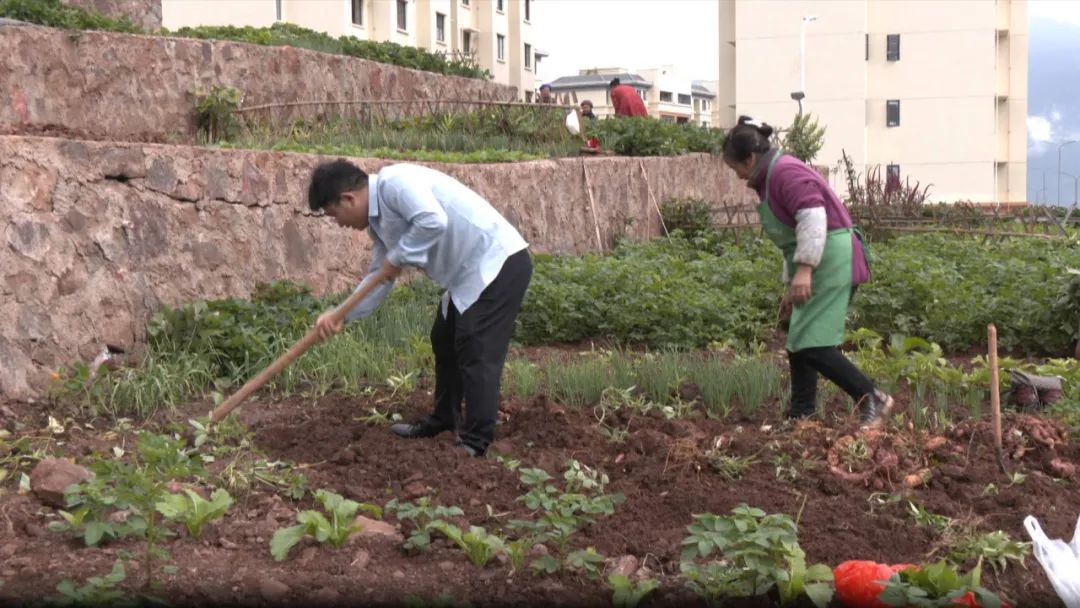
[(592, 205), (995, 395), (652, 198)]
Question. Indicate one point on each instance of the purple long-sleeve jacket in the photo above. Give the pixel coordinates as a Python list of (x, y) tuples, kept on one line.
[(794, 186)]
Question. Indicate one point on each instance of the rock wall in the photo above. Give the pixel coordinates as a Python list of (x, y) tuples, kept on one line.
[(96, 85), (145, 13), (96, 236)]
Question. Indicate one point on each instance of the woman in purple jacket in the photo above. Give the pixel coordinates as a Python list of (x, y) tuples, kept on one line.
[(824, 261)]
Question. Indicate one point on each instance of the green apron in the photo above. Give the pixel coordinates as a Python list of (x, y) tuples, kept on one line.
[(820, 320)]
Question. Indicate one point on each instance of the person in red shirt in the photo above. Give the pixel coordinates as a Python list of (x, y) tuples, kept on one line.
[(626, 100)]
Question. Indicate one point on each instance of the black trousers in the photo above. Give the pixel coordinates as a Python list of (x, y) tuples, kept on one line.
[(470, 350), (831, 363)]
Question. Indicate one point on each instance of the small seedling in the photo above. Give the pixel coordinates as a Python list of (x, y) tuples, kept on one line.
[(587, 560), (423, 515), (627, 593), (193, 510), (334, 530), (478, 544)]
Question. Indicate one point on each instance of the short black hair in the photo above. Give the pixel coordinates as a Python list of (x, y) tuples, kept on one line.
[(614, 82), (746, 138), (331, 179), (545, 86)]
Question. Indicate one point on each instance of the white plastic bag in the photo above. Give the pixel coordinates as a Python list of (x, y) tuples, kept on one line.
[(572, 123), (1060, 561)]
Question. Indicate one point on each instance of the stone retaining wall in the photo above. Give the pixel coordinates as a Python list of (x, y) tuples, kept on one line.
[(97, 85), (96, 236)]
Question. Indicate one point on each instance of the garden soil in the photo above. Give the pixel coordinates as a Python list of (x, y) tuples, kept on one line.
[(839, 493)]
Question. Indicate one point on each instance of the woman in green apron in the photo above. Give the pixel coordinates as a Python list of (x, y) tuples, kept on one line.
[(824, 260)]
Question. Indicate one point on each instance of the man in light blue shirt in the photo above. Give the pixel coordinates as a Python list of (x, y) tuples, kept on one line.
[(420, 217)]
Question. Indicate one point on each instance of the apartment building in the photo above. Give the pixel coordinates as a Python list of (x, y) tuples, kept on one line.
[(931, 90), (497, 34), (667, 94)]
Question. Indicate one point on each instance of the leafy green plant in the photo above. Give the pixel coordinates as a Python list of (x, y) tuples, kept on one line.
[(517, 550), (935, 586), (54, 13), (281, 34), (651, 137), (587, 560), (523, 378), (626, 593), (423, 515), (479, 545), (731, 467), (97, 591), (760, 552), (335, 529), (214, 111), (805, 138), (996, 548), (691, 216), (561, 514), (193, 510)]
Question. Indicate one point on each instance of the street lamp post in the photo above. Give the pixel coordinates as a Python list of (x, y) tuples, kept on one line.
[(1062, 145), (1076, 186), (801, 93)]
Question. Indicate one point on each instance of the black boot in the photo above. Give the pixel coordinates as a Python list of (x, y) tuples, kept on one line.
[(873, 409), (423, 429)]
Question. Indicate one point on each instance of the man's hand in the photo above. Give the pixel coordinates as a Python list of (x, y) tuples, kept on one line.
[(800, 290), (388, 271), (327, 326), (784, 314)]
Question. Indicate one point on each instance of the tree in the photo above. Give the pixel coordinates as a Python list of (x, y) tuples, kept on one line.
[(805, 138)]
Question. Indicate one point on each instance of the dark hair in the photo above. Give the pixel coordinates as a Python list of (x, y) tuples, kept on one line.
[(746, 138), (614, 83), (545, 86), (586, 101), (331, 179)]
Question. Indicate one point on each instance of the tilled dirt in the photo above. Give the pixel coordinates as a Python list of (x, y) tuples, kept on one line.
[(835, 481)]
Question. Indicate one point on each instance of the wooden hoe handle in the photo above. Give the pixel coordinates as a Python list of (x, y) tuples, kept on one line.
[(311, 338)]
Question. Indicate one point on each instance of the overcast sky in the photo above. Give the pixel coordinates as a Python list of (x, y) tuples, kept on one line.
[(634, 34)]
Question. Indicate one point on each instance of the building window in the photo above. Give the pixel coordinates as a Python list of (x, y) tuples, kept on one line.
[(705, 124), (402, 22), (528, 9), (499, 5), (892, 176), (528, 56), (466, 41), (500, 47), (866, 42), (464, 2), (440, 27), (892, 113), (277, 9), (358, 12), (684, 99), (665, 96), (667, 118), (528, 96), (892, 47)]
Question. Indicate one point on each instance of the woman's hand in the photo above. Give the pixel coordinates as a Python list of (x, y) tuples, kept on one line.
[(800, 290)]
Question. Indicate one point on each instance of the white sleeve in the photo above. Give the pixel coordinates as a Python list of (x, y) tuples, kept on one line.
[(810, 232)]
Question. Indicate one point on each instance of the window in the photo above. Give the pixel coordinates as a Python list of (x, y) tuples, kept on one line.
[(667, 118), (866, 41), (500, 47), (892, 176), (705, 124), (892, 47), (466, 41), (892, 113), (464, 2), (528, 56), (528, 96), (440, 27), (684, 99), (641, 94), (358, 12), (277, 7), (528, 7), (402, 23), (665, 96), (499, 5), (682, 120)]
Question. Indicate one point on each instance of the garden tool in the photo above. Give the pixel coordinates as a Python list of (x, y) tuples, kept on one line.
[(311, 338)]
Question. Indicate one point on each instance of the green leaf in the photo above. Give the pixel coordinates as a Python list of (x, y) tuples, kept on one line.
[(546, 563), (95, 531), (820, 593), (284, 540)]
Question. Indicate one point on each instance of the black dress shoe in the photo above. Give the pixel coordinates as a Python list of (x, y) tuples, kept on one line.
[(417, 430)]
